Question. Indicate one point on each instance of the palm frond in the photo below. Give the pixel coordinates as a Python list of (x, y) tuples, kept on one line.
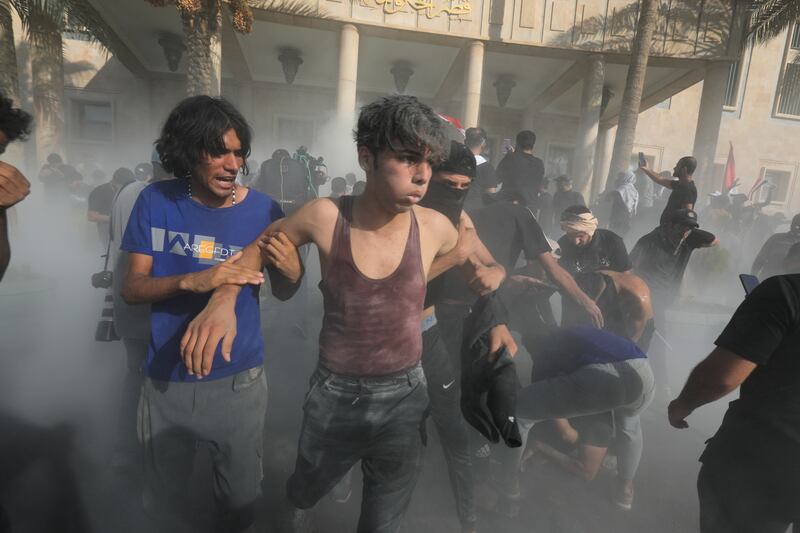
[(767, 19), (302, 8), (62, 13)]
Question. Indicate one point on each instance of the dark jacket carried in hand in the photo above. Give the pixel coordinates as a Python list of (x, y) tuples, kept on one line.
[(488, 388)]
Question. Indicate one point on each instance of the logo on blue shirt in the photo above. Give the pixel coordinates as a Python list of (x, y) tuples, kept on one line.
[(204, 248)]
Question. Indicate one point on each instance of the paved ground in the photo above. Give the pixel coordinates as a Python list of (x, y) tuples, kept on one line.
[(52, 373)]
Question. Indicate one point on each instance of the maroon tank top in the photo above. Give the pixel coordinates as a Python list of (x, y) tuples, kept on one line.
[(371, 327)]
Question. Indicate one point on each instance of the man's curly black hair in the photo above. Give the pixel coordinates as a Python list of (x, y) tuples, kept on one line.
[(14, 122), (196, 127), (402, 122)]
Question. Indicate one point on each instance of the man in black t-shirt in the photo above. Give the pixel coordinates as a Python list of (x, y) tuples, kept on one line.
[(565, 197), (769, 261), (660, 259), (283, 179), (661, 256), (520, 169), (101, 200), (584, 248), (485, 179), (750, 478), (684, 191)]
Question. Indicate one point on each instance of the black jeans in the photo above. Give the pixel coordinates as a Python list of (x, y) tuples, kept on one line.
[(379, 421), (444, 389), (739, 497)]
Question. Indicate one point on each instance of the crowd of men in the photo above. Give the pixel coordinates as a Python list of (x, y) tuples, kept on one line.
[(427, 267)]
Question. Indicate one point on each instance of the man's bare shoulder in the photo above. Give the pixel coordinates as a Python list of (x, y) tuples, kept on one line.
[(432, 221), (319, 209)]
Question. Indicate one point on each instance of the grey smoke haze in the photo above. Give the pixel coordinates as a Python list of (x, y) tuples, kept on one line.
[(52, 372)]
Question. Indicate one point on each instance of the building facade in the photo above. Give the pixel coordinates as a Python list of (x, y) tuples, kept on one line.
[(555, 66)]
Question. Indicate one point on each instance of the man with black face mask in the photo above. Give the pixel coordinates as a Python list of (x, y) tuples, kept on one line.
[(447, 191), (769, 261), (660, 259)]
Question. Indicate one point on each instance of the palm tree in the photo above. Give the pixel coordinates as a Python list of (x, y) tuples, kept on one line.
[(9, 84), (201, 25), (634, 85), (43, 21), (769, 18)]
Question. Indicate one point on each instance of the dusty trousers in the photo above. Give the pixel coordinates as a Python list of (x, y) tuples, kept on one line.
[(444, 389), (376, 420)]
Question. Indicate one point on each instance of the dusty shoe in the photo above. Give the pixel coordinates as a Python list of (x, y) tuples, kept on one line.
[(623, 493)]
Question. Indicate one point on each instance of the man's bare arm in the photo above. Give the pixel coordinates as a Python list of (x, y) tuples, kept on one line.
[(567, 283), (717, 375), (455, 247), (658, 178), (140, 287), (482, 272), (94, 216), (217, 322)]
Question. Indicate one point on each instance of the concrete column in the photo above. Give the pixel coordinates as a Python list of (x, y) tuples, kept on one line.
[(602, 161), (708, 123), (216, 58), (474, 77), (588, 125), (348, 74)]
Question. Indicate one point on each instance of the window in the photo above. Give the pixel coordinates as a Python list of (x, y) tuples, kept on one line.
[(789, 99), (92, 120), (795, 44), (73, 29), (732, 87), (559, 161), (781, 179)]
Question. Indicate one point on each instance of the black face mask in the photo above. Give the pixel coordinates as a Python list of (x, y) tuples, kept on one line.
[(447, 200)]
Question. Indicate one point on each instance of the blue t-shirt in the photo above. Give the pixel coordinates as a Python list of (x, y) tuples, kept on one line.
[(185, 236), (572, 348)]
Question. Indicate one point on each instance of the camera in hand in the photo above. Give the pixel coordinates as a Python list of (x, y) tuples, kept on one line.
[(102, 280)]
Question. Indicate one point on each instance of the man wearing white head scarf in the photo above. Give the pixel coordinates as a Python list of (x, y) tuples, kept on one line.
[(585, 248), (622, 202)]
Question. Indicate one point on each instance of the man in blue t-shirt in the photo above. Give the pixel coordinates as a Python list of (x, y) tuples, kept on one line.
[(183, 239), (580, 371)]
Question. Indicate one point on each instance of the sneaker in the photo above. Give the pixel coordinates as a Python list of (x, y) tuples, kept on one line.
[(623, 493)]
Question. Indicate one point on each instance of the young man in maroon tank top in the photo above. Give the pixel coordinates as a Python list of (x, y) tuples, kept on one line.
[(368, 396)]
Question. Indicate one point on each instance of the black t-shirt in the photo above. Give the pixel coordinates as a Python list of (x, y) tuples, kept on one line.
[(606, 251), (101, 199), (565, 199), (680, 196), (661, 263), (284, 181), (507, 230), (769, 261), (765, 421), (485, 179), (519, 171)]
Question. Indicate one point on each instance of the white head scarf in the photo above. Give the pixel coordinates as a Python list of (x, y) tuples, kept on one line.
[(583, 223), (627, 190)]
